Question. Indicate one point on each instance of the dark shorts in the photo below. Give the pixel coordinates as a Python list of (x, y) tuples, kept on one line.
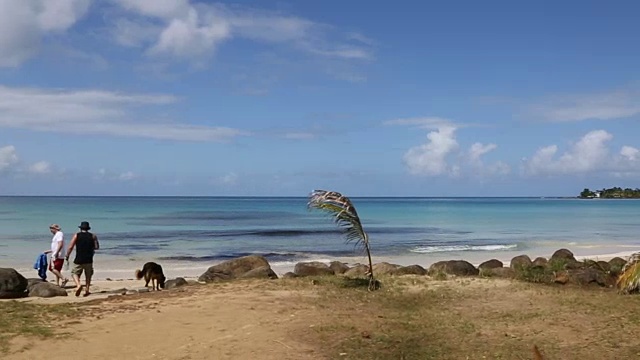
[(57, 264)]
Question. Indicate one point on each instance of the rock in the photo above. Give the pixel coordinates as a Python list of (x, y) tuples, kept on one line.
[(233, 268), (490, 264), (453, 267), (501, 272), (359, 270), (384, 268), (411, 270), (289, 275), (33, 281), (174, 283), (520, 261), (264, 272), (616, 265), (313, 268), (603, 265), (585, 276), (563, 254), (338, 267), (12, 284), (540, 261), (46, 290)]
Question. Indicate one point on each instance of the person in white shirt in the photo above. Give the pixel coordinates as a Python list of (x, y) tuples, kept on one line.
[(57, 254)]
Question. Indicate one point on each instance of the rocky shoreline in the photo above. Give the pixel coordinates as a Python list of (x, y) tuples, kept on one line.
[(560, 268)]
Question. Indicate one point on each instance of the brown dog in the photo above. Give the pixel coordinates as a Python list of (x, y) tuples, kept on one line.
[(152, 272), (537, 355)]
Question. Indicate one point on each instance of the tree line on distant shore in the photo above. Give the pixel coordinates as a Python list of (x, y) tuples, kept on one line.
[(612, 193)]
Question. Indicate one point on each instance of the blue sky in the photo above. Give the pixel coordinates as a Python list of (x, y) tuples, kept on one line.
[(178, 97)]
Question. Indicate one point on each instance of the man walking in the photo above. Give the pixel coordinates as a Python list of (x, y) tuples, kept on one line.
[(57, 254), (86, 244)]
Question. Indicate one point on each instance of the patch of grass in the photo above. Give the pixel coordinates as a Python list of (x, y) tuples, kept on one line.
[(534, 274), (426, 319), (23, 319)]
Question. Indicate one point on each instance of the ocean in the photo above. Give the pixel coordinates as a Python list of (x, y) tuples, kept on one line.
[(189, 234)]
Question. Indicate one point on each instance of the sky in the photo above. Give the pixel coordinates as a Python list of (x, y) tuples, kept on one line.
[(277, 98)]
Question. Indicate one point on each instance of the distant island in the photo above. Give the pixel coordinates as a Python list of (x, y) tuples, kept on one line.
[(613, 193)]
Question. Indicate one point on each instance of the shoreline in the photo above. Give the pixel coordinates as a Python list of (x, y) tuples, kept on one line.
[(110, 282), (118, 269)]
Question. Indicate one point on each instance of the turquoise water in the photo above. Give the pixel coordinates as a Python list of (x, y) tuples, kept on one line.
[(205, 229)]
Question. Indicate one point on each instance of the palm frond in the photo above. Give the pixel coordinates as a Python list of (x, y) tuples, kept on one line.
[(343, 213), (629, 279)]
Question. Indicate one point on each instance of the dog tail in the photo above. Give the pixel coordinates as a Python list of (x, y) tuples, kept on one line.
[(537, 355), (139, 274)]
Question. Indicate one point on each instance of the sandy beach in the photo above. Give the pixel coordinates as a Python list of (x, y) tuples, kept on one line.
[(108, 282)]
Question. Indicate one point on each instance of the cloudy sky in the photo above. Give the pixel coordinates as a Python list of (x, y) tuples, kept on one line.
[(185, 97)]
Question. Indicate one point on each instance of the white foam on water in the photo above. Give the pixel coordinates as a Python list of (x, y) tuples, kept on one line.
[(453, 248)]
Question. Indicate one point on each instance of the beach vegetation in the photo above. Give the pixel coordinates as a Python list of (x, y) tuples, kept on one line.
[(344, 213), (629, 279)]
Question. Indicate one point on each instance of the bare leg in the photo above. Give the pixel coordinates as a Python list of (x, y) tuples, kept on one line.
[(86, 290), (58, 276), (76, 279)]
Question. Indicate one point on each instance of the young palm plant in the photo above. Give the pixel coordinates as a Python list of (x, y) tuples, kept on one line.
[(345, 215), (629, 279)]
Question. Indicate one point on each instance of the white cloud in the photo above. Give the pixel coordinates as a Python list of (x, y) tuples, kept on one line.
[(478, 149), (24, 23), (229, 179), (193, 31), (431, 158), (630, 153), (41, 167), (590, 154), (103, 174), (422, 122), (8, 157), (98, 112), (127, 176), (10, 163), (603, 106), (441, 154)]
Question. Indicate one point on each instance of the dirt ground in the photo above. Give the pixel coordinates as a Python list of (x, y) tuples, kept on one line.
[(409, 318)]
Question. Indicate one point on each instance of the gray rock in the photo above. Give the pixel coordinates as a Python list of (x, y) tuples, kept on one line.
[(46, 290), (313, 268), (490, 264), (234, 268), (411, 270), (174, 283), (264, 272), (453, 267), (12, 284), (520, 262), (338, 267)]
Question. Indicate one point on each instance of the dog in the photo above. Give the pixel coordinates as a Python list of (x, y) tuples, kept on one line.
[(152, 272), (537, 355)]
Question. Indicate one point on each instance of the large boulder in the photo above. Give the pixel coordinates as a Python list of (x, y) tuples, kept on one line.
[(520, 261), (357, 271), (384, 268), (490, 264), (312, 268), (233, 268), (616, 265), (46, 290), (264, 272), (12, 284), (338, 267), (584, 276), (563, 254), (411, 270), (453, 267), (540, 261)]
